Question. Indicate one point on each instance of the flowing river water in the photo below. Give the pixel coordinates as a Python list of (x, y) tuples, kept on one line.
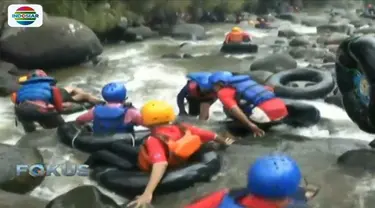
[(147, 77)]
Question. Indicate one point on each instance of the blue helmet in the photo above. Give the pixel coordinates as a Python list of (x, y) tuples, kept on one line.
[(274, 176), (114, 92), (201, 78), (220, 76)]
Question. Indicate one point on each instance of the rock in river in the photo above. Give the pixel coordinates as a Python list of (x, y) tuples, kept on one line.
[(11, 200), (274, 63), (189, 31), (8, 78), (10, 157), (59, 42), (83, 197)]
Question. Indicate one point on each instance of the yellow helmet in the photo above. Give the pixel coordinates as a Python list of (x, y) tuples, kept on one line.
[(157, 112), (236, 29)]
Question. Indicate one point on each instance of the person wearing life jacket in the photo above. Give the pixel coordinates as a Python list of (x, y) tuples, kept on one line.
[(69, 94), (370, 9), (112, 117), (272, 182), (199, 94), (237, 35), (247, 101), (262, 23), (38, 100), (170, 144)]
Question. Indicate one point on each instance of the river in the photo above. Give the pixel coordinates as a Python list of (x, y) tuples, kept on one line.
[(147, 77)]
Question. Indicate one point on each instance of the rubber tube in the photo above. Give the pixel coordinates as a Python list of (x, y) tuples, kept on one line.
[(203, 166), (83, 139), (239, 48)]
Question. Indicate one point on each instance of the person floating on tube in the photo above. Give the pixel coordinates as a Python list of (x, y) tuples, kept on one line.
[(114, 116), (237, 35), (199, 94), (180, 140), (273, 181), (247, 101)]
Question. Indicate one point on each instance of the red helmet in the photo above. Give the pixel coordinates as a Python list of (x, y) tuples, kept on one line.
[(38, 73), (369, 6)]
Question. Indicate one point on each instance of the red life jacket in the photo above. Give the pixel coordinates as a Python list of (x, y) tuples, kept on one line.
[(195, 93)]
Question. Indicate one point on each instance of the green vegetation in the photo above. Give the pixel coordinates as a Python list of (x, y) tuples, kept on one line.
[(101, 15)]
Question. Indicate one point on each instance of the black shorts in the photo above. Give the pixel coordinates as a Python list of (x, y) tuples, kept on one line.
[(66, 96), (29, 113), (194, 105)]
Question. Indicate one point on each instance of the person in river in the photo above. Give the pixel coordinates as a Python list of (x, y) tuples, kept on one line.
[(199, 94), (179, 140), (113, 117), (247, 101), (370, 9), (272, 182), (38, 100), (237, 35)]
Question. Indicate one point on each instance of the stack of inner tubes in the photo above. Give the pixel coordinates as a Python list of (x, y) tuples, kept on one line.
[(355, 78)]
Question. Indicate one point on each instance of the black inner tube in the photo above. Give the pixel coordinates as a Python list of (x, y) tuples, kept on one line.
[(311, 76), (202, 166), (82, 138)]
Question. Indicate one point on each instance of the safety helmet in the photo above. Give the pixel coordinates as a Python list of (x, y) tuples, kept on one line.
[(157, 112), (274, 176), (201, 78), (38, 73), (236, 29), (114, 92), (369, 5), (220, 76)]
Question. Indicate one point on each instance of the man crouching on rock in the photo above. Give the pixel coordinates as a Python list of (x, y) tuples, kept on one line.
[(247, 101), (39, 100), (178, 139)]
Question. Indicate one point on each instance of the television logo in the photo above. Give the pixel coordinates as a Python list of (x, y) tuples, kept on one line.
[(25, 15), (67, 169)]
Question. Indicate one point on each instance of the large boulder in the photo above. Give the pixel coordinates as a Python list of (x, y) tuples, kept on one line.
[(332, 39), (9, 78), (59, 42), (83, 196), (289, 16), (11, 157), (260, 76), (12, 200), (339, 28), (365, 30), (359, 158), (300, 41), (310, 53), (274, 63), (313, 21), (189, 31), (139, 33), (287, 33)]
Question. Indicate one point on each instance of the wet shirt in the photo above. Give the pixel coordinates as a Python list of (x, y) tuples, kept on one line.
[(156, 149), (132, 115)]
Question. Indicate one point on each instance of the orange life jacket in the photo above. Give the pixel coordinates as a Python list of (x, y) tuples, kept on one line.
[(235, 37), (178, 151)]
